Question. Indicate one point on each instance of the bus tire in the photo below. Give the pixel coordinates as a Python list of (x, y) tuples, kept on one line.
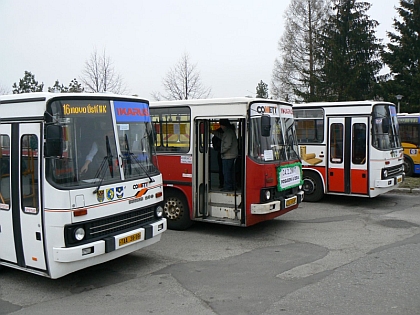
[(408, 166), (176, 210), (312, 187)]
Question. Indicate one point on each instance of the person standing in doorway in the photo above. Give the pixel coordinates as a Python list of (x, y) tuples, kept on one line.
[(217, 145), (228, 152)]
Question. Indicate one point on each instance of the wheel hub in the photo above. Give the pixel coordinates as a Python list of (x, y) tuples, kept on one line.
[(308, 186), (172, 209)]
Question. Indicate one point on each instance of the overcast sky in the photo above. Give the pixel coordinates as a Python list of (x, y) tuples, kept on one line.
[(233, 42)]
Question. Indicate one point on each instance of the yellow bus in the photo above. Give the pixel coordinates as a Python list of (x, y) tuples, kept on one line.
[(409, 135)]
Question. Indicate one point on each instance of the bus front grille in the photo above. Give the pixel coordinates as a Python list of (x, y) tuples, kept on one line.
[(109, 226), (392, 171), (122, 222)]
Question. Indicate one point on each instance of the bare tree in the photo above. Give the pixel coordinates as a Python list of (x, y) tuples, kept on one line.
[(295, 72), (183, 82), (99, 75), (3, 90)]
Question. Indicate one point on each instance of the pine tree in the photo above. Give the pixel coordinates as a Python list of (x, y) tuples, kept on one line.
[(27, 84), (57, 88), (262, 90), (402, 56), (75, 87), (350, 52)]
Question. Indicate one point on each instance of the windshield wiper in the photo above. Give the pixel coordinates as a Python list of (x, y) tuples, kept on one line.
[(100, 173), (127, 164), (290, 147), (131, 157)]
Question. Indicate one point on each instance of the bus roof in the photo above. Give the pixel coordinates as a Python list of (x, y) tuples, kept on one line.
[(408, 118), (44, 96), (342, 108), (216, 101), (32, 105), (409, 114), (341, 104)]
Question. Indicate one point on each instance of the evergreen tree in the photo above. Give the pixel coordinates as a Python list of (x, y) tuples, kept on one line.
[(75, 87), (57, 88), (262, 90), (27, 84), (402, 56), (350, 52)]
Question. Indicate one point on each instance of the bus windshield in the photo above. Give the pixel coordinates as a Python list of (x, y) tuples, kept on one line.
[(385, 127), (280, 145), (95, 150), (137, 149)]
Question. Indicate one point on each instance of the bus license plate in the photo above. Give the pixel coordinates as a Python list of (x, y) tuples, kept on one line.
[(129, 239), (291, 202), (399, 179)]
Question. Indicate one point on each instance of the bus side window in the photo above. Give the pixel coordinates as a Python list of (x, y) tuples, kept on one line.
[(4, 170), (359, 144), (172, 130), (336, 143), (28, 176)]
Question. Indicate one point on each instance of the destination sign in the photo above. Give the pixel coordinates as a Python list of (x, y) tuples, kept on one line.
[(131, 111)]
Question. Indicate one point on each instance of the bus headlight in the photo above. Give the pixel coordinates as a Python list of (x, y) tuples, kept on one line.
[(159, 211), (384, 173), (266, 195), (79, 234)]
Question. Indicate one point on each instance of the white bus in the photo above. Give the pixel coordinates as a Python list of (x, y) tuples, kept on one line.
[(79, 181), (268, 172), (349, 148)]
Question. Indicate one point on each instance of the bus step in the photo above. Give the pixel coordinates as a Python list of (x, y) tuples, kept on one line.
[(224, 211), (225, 221), (224, 198)]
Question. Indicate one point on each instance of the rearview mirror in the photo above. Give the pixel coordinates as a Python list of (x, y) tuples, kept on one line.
[(53, 140), (265, 125), (385, 125)]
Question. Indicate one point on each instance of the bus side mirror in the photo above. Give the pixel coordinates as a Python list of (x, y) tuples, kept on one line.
[(385, 125), (53, 140), (265, 125)]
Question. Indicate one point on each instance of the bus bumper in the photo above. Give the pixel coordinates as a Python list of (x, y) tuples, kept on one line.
[(389, 182), (277, 205), (111, 243)]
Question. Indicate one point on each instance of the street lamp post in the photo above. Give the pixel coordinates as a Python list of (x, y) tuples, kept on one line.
[(399, 97)]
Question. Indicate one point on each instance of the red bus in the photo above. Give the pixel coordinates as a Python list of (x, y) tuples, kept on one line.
[(268, 171)]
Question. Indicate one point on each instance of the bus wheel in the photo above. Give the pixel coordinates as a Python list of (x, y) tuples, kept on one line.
[(176, 211), (408, 166), (312, 187)]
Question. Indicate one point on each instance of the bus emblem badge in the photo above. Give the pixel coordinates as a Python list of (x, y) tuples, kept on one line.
[(120, 192), (100, 195), (110, 193)]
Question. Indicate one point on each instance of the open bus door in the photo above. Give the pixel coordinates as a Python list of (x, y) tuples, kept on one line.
[(209, 202), (21, 237), (201, 156), (347, 170)]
